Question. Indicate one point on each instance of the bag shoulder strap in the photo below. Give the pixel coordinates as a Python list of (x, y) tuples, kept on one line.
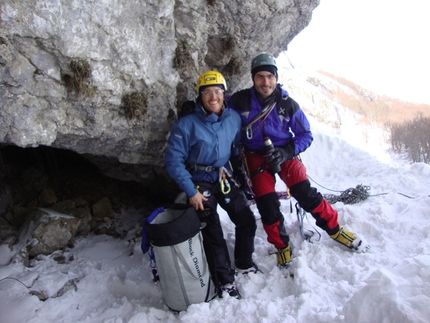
[(287, 106), (186, 109), (242, 100)]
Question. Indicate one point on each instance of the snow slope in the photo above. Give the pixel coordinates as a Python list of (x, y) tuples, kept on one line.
[(103, 279)]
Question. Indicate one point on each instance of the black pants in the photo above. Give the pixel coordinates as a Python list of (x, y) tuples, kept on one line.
[(237, 208)]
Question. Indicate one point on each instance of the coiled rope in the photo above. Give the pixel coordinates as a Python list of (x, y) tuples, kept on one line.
[(350, 196)]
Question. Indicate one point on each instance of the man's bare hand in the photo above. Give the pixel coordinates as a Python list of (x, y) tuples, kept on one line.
[(197, 201)]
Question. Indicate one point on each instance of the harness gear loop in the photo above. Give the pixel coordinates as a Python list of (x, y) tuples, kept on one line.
[(195, 167)]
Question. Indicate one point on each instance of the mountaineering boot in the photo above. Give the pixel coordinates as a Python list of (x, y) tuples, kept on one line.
[(350, 239), (253, 269), (231, 289), (284, 257)]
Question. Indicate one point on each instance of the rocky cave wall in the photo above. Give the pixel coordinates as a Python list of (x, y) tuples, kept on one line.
[(105, 79)]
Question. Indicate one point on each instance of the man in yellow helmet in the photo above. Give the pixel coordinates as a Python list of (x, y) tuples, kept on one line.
[(197, 158)]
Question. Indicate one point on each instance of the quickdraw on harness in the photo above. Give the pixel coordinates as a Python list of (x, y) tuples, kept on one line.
[(224, 183)]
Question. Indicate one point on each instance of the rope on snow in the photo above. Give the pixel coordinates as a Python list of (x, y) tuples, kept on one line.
[(350, 196)]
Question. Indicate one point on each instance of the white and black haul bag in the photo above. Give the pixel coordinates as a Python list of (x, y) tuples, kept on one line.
[(174, 235)]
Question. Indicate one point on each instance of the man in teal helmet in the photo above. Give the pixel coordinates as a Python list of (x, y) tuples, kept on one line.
[(268, 113)]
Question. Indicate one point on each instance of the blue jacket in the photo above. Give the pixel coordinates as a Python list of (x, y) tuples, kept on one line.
[(204, 140), (284, 124)]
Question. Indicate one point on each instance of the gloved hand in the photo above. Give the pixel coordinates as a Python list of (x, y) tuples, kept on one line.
[(187, 108), (280, 155)]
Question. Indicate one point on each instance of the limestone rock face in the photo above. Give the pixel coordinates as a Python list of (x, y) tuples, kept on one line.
[(105, 78)]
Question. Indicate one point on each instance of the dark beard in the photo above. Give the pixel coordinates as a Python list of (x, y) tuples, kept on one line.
[(274, 97)]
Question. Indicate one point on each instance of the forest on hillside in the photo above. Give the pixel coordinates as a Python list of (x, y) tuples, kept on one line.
[(408, 124)]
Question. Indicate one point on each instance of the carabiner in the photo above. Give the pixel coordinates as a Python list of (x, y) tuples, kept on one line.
[(224, 182), (248, 132)]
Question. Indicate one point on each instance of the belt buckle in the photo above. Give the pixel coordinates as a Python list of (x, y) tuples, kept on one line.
[(208, 168)]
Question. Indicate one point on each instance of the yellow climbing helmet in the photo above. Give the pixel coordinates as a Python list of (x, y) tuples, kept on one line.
[(210, 78)]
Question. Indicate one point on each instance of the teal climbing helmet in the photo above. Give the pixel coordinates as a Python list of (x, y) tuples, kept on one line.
[(263, 60)]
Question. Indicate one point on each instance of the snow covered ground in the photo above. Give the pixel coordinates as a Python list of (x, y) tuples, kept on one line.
[(103, 279)]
